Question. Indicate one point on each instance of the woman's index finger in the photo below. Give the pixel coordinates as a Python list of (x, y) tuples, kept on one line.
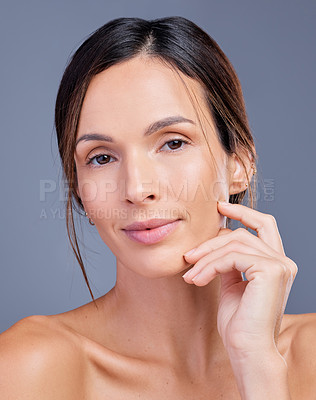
[(264, 224)]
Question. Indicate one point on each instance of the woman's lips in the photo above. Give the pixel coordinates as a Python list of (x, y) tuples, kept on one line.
[(153, 235)]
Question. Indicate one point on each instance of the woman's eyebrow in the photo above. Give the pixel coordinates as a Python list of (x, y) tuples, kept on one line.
[(162, 123), (152, 128)]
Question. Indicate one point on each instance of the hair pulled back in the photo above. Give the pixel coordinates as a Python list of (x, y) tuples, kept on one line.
[(183, 46)]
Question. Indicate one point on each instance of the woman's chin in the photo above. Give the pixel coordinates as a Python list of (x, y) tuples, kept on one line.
[(158, 266)]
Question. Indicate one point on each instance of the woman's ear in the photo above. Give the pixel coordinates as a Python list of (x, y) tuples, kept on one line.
[(238, 169)]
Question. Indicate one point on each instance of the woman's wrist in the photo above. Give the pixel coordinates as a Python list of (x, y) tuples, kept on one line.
[(261, 375)]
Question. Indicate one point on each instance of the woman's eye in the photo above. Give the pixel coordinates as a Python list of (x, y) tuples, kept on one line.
[(99, 159), (175, 144)]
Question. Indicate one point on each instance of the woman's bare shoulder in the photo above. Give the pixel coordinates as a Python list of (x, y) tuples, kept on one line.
[(299, 334), (37, 359), (300, 327)]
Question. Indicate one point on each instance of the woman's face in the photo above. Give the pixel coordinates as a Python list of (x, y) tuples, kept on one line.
[(141, 155)]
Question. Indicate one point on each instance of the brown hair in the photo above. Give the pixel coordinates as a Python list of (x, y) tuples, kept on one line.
[(183, 46)]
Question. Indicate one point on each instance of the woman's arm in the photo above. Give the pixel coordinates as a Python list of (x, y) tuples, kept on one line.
[(262, 376)]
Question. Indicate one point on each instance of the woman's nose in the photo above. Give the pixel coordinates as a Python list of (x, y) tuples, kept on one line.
[(140, 180)]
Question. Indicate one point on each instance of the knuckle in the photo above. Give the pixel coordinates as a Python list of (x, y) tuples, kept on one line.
[(293, 267), (279, 270), (295, 270), (288, 274), (240, 230), (287, 270), (271, 219), (241, 233)]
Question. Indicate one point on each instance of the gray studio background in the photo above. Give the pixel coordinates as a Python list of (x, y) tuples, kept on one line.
[(272, 46)]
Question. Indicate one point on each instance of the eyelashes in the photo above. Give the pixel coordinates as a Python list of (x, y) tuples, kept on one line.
[(91, 159), (100, 159), (177, 141)]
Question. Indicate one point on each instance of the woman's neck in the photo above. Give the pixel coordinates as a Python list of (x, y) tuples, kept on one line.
[(164, 320)]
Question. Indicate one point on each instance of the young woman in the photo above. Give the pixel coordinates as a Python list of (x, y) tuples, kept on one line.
[(157, 152)]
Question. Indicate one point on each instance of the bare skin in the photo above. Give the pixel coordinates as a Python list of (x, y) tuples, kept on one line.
[(155, 334), (49, 357)]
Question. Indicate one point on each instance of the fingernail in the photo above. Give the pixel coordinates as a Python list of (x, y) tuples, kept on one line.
[(190, 252), (188, 273), (193, 279)]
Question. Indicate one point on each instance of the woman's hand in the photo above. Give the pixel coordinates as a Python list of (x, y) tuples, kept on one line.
[(250, 312)]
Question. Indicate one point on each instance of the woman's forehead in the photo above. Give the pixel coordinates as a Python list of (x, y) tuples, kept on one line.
[(141, 90)]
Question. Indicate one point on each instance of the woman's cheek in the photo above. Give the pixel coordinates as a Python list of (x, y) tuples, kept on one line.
[(198, 182)]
